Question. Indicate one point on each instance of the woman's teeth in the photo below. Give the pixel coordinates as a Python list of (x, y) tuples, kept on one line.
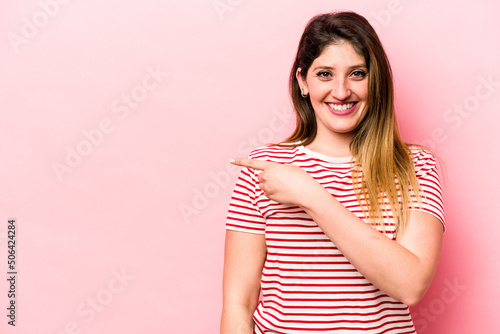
[(341, 107)]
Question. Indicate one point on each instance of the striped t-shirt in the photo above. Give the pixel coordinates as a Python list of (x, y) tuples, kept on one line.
[(307, 283)]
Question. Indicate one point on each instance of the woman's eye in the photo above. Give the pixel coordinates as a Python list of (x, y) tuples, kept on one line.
[(358, 74), (324, 75)]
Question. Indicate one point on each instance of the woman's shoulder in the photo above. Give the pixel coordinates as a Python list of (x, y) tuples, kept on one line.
[(421, 152), (423, 158)]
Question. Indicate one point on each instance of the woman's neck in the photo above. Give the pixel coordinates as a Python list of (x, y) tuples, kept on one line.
[(332, 144)]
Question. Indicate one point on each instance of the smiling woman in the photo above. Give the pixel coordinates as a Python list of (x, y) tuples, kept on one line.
[(339, 226), (337, 85)]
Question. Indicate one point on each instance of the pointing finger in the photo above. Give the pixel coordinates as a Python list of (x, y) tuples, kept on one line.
[(251, 163)]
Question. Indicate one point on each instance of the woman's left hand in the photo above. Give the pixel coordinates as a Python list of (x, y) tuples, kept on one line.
[(283, 183)]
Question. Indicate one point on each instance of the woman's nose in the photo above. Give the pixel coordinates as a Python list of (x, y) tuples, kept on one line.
[(340, 89)]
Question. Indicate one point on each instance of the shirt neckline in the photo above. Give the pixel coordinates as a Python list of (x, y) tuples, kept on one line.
[(324, 157)]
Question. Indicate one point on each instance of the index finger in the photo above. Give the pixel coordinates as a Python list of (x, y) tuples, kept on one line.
[(251, 163)]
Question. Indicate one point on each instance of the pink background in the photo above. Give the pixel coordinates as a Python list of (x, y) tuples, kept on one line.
[(126, 234)]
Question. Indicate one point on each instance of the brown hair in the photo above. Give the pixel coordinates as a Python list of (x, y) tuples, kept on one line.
[(383, 161)]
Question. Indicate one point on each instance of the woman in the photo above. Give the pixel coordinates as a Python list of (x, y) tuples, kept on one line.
[(340, 226)]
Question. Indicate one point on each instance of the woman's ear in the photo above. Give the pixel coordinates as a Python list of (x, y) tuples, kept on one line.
[(302, 82)]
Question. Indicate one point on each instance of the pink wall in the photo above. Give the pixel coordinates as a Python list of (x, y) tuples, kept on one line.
[(118, 117)]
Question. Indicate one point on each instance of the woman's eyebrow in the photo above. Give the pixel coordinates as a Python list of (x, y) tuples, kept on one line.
[(363, 65)]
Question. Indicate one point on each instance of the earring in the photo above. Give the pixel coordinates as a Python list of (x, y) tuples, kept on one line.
[(304, 95)]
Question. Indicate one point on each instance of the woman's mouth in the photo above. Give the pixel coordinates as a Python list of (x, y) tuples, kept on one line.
[(342, 108)]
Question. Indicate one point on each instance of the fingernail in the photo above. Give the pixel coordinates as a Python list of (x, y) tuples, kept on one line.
[(231, 160)]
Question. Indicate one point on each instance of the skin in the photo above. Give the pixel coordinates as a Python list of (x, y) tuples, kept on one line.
[(408, 264), (337, 76)]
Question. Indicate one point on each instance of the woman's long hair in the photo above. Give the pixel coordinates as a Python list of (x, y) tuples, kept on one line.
[(384, 171)]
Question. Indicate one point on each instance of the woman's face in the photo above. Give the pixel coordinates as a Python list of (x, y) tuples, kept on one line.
[(337, 84)]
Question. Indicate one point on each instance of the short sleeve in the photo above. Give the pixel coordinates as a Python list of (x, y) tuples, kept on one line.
[(243, 214), (426, 170)]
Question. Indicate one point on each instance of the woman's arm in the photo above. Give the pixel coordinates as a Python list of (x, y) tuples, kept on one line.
[(403, 269), (244, 258)]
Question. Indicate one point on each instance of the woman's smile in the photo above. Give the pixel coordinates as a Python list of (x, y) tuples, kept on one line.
[(342, 108)]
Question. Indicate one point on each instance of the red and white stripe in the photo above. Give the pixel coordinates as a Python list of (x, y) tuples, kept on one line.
[(307, 283)]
